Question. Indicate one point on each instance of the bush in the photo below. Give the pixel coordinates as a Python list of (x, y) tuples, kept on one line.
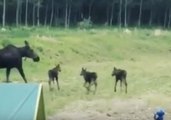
[(40, 49), (85, 24), (5, 42)]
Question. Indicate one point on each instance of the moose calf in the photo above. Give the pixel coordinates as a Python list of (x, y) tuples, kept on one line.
[(53, 75), (90, 78), (120, 75)]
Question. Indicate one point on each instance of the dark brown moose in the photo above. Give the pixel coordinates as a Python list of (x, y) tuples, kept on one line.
[(11, 57), (120, 75)]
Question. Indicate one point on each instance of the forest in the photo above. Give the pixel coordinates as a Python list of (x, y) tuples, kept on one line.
[(70, 13)]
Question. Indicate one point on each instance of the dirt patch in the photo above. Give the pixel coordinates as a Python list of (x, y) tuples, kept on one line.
[(160, 32), (106, 110), (46, 38)]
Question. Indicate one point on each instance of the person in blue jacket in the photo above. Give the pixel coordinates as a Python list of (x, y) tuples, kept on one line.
[(159, 114)]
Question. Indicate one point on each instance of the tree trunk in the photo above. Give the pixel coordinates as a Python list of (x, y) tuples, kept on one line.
[(90, 9), (165, 18), (46, 12), (38, 13), (125, 20), (107, 15), (26, 13), (151, 17), (17, 13), (20, 13), (120, 14), (128, 16), (33, 17), (169, 21), (140, 13), (52, 13), (66, 14), (4, 12), (69, 14), (111, 15)]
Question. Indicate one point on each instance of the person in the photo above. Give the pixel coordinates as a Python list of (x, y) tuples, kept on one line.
[(159, 114)]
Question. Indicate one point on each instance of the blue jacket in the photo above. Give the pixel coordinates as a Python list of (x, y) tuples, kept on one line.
[(159, 115)]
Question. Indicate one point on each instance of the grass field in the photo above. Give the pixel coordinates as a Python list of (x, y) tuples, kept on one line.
[(144, 53)]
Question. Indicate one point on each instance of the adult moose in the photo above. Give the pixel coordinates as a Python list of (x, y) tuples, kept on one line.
[(11, 57), (120, 75), (53, 75), (90, 78)]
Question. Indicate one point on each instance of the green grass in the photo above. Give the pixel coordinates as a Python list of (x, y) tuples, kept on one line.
[(144, 55)]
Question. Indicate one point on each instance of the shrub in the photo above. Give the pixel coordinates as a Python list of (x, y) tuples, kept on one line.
[(40, 49), (85, 24), (5, 42)]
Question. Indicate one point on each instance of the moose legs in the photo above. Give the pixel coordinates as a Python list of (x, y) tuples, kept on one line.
[(49, 84), (57, 83), (20, 71), (125, 83), (125, 86), (7, 74), (89, 85), (95, 83), (52, 80), (115, 85)]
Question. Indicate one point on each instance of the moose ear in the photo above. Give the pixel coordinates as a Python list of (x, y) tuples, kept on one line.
[(26, 43)]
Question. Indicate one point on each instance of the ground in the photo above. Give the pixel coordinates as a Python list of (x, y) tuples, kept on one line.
[(114, 109), (144, 53)]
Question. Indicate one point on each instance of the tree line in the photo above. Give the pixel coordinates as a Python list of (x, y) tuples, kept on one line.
[(121, 13)]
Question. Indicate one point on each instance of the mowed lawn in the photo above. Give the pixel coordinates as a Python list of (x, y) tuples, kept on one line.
[(144, 53)]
